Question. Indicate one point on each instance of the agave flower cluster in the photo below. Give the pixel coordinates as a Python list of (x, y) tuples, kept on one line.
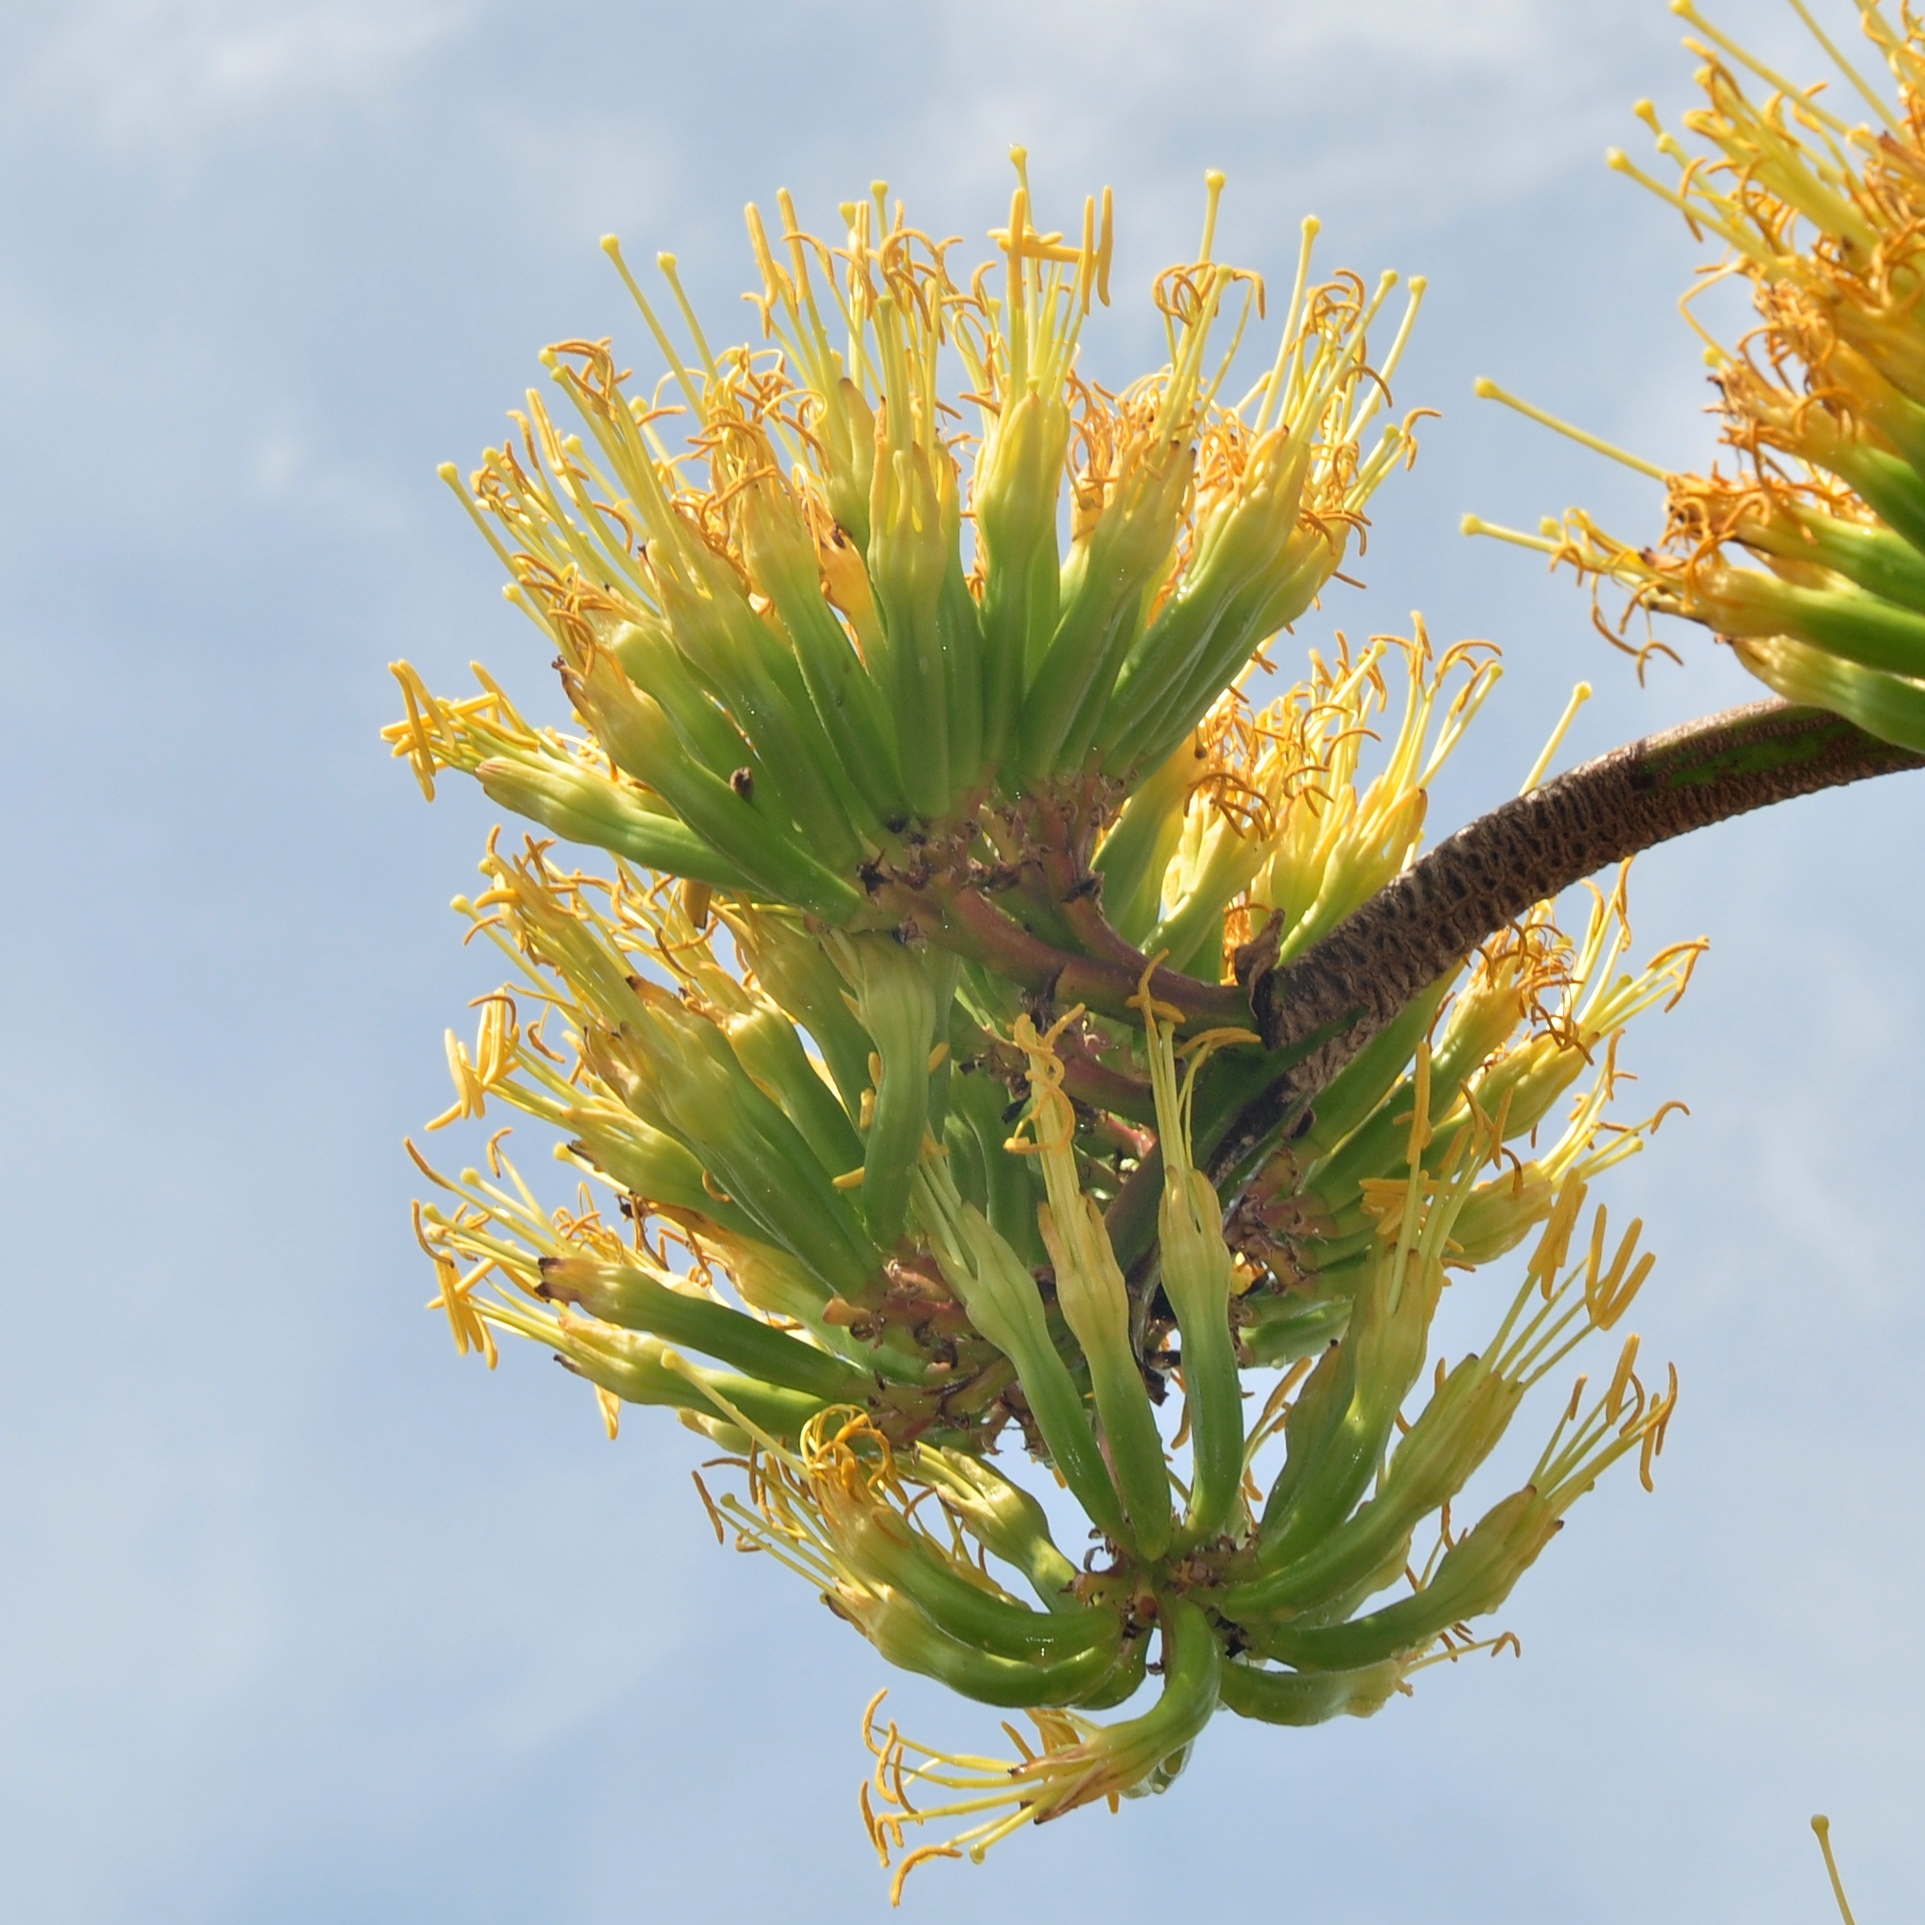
[(895, 1031), (1809, 558)]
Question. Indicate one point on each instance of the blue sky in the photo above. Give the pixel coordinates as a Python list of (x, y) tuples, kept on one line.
[(306, 1618)]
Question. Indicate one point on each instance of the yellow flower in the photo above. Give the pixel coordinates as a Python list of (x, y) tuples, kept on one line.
[(1261, 815), (910, 673), (1810, 560), (1075, 1763), (785, 652)]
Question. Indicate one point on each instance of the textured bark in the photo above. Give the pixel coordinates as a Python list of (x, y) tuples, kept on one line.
[(1469, 887)]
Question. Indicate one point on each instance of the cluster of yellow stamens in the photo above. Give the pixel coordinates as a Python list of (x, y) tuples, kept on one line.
[(1810, 559)]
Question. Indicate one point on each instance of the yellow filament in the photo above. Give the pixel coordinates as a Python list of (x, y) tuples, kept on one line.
[(1579, 696), (1687, 10), (1822, 1826), (1487, 390), (1845, 67)]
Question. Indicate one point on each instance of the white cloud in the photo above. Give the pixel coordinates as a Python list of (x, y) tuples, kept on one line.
[(1145, 70), (1423, 107), (167, 76), (577, 176)]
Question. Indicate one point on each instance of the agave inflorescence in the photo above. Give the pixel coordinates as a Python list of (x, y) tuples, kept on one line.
[(902, 1034), (1810, 559)]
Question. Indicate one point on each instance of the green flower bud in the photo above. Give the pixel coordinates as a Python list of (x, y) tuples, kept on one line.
[(794, 968), (906, 1637), (647, 655), (582, 806), (1094, 1300), (1365, 1084), (850, 443), (901, 997), (1284, 1328), (647, 1162), (1475, 1577), (1337, 1432), (1307, 1697), (1019, 476), (1004, 1303), (1012, 1186), (767, 1046), (781, 557), (725, 813), (772, 1281), (888, 1551), (1199, 1274), (754, 1153), (1003, 1518), (1133, 858), (637, 1296), (641, 1369), (1891, 707)]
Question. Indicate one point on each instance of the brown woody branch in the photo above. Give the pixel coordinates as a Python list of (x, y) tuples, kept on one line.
[(1369, 968)]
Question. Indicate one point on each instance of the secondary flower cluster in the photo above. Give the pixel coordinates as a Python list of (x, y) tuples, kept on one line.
[(1810, 558), (897, 1040), (797, 673)]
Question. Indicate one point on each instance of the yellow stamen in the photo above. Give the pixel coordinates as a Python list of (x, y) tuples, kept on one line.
[(1822, 1826), (1579, 696), (1488, 390)]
